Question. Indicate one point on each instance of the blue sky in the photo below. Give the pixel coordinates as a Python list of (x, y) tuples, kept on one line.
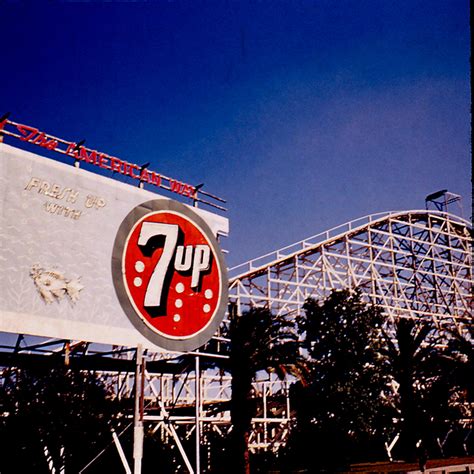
[(302, 114)]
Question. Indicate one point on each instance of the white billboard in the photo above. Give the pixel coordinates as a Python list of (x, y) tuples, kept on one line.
[(86, 257)]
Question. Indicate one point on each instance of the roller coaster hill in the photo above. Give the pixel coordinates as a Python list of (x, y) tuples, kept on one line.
[(412, 264)]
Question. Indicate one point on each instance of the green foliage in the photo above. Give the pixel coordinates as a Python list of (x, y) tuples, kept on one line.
[(67, 412), (366, 379), (259, 341), (340, 413), (429, 373), (263, 341), (461, 351)]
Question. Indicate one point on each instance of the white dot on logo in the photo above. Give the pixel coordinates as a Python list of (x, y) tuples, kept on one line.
[(206, 308), (137, 281), (178, 303), (176, 318), (208, 294), (179, 288), (139, 266)]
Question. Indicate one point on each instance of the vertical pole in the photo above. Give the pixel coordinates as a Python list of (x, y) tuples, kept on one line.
[(49, 460), (138, 414), (62, 457), (265, 424), (123, 458), (288, 411), (67, 353), (198, 416)]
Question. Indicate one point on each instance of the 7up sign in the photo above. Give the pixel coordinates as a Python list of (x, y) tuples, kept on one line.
[(169, 275)]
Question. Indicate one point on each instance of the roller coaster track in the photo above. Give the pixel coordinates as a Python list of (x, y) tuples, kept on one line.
[(412, 264)]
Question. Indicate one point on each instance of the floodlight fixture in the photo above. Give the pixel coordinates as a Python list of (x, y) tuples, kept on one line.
[(4, 117), (441, 200), (79, 144)]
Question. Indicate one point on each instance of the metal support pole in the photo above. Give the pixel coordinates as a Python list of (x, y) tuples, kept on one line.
[(123, 458), (265, 423), (198, 416), (61, 456), (138, 414), (49, 460), (172, 431)]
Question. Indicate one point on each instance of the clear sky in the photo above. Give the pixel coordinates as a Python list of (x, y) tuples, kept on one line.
[(302, 114)]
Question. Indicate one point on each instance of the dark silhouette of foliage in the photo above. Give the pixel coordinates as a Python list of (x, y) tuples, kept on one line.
[(259, 341), (218, 448), (419, 368), (458, 376), (463, 347), (461, 350), (368, 379), (161, 456), (340, 413), (67, 412)]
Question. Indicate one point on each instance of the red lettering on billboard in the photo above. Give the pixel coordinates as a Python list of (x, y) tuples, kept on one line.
[(102, 160), (24, 129), (144, 176), (88, 158), (115, 164), (155, 178), (70, 149), (129, 170)]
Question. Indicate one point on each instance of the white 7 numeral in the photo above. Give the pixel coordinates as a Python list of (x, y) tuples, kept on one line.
[(170, 233)]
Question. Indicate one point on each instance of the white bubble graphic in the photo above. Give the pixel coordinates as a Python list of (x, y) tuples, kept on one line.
[(139, 266), (178, 303), (176, 318), (179, 288), (137, 281), (208, 294), (206, 308)]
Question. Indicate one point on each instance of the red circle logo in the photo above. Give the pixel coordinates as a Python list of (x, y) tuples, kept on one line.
[(172, 276)]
